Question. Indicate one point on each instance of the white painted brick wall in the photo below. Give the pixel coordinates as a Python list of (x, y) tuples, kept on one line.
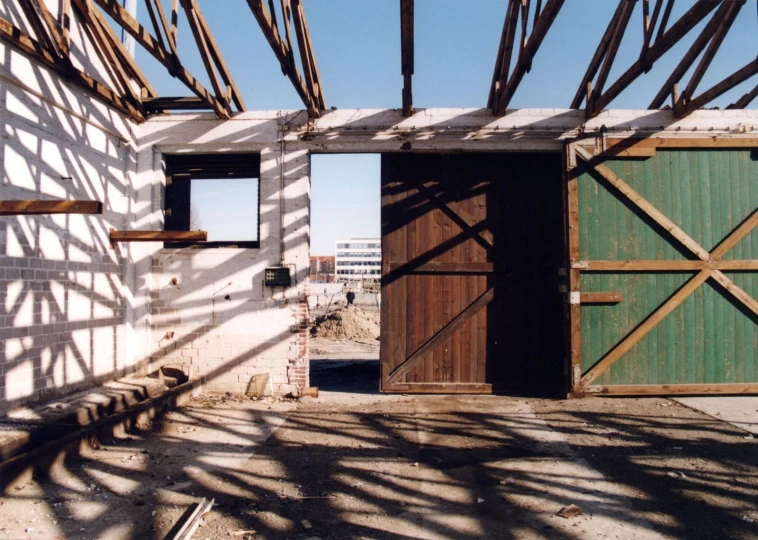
[(63, 297), (258, 329)]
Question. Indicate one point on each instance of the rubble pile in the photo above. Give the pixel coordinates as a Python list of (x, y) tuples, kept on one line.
[(349, 323)]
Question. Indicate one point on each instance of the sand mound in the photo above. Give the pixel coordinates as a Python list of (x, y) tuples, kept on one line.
[(349, 323)]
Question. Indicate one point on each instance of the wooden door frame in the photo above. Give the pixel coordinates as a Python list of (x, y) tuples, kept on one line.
[(708, 265)]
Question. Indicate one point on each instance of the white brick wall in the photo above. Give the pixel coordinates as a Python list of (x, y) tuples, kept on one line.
[(258, 329), (63, 301)]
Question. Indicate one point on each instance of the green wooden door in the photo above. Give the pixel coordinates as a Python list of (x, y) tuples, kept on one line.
[(673, 236)]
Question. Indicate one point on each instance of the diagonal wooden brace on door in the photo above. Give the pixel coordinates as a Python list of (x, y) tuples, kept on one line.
[(643, 204), (643, 329), (460, 217), (708, 267), (475, 307)]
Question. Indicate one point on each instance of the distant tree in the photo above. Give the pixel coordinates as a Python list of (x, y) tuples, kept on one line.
[(195, 221)]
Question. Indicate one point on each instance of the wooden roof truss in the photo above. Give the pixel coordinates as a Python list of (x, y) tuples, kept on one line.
[(307, 85), (526, 24), (720, 15)]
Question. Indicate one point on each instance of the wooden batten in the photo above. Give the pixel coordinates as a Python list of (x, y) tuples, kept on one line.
[(158, 236), (30, 208), (601, 298)]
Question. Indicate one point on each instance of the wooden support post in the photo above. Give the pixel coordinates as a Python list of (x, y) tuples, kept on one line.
[(407, 53), (27, 208)]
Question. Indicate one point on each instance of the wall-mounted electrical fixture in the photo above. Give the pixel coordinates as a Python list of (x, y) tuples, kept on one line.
[(277, 276)]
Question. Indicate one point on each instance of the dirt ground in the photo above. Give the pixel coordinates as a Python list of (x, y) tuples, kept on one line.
[(356, 464)]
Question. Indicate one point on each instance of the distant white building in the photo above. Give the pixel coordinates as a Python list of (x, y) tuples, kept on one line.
[(358, 259)]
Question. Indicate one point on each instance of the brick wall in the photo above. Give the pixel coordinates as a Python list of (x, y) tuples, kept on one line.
[(210, 310), (64, 293)]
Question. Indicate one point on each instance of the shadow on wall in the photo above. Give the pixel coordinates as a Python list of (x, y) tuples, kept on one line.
[(62, 287)]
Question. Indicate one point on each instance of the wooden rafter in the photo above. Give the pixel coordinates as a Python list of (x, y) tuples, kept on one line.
[(22, 41), (712, 33), (745, 100), (407, 53), (310, 69), (308, 89), (129, 64), (505, 83), (665, 40), (169, 60), (105, 50), (738, 77)]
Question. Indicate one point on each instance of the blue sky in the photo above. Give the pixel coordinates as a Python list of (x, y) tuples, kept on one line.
[(357, 47)]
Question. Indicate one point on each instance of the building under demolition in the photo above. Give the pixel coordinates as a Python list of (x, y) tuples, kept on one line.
[(580, 250)]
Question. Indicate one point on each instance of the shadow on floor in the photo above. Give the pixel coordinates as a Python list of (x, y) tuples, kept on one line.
[(348, 376)]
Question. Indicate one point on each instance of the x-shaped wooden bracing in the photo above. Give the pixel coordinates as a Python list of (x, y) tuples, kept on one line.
[(469, 226), (710, 265)]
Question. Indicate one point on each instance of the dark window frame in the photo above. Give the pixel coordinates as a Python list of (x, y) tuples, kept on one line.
[(181, 169)]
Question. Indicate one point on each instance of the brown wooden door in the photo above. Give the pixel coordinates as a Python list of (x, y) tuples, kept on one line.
[(471, 246)]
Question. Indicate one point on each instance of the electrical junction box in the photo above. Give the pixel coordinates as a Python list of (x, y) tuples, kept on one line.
[(277, 276)]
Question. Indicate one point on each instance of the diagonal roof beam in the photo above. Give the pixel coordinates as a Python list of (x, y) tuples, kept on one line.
[(310, 69), (542, 24), (738, 77), (690, 56), (725, 23), (30, 46), (168, 59), (406, 53), (745, 100), (105, 51), (284, 53), (598, 57), (662, 45)]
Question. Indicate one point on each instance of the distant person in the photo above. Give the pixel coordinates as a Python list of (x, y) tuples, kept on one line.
[(350, 297), (378, 300)]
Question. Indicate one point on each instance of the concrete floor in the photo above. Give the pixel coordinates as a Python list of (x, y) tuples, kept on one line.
[(740, 411), (356, 464)]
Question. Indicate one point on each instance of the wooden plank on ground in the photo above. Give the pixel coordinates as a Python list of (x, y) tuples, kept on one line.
[(673, 389)]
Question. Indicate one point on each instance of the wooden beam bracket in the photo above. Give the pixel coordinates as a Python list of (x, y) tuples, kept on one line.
[(27, 208)]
